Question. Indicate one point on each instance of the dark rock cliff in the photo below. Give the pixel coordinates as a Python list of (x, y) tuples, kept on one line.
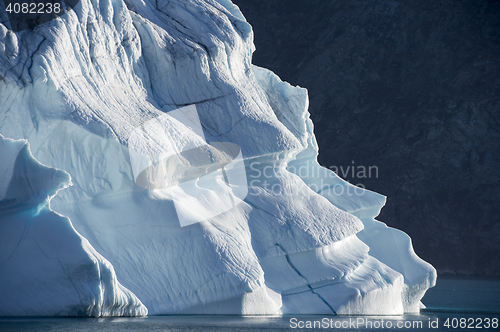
[(413, 88)]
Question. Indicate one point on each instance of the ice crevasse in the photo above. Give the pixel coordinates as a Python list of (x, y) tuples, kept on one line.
[(80, 235)]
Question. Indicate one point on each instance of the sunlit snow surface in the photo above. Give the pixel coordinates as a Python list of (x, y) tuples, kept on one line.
[(76, 88)]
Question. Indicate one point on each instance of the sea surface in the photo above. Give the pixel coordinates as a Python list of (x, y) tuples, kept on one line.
[(454, 304)]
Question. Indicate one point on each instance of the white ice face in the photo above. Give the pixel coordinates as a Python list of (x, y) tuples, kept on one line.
[(194, 173)]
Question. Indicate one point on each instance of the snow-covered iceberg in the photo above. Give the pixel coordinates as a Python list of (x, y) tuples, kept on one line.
[(298, 240)]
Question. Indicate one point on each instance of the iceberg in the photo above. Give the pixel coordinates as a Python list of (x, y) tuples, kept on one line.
[(225, 210)]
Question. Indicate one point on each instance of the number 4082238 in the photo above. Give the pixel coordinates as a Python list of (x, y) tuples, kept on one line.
[(471, 323), (33, 8)]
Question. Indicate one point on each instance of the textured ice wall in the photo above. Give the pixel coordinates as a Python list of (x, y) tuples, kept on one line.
[(46, 267), (78, 86), (389, 246)]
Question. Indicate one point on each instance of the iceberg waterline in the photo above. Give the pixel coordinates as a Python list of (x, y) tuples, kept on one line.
[(78, 86)]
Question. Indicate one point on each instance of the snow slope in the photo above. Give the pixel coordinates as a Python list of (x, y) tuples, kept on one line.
[(302, 241)]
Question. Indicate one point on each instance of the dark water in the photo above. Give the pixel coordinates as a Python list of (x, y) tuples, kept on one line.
[(464, 295), (466, 303)]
